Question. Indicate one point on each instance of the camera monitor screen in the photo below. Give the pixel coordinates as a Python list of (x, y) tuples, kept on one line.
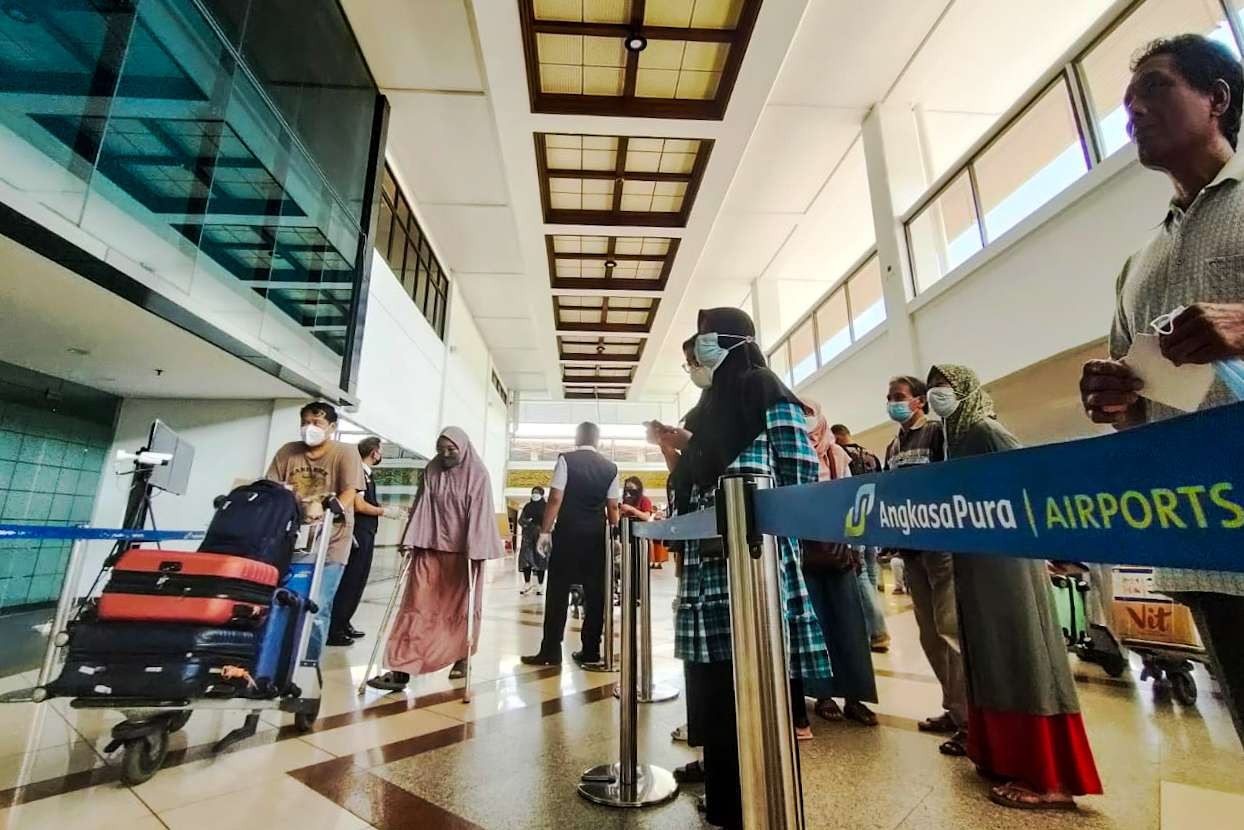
[(174, 476)]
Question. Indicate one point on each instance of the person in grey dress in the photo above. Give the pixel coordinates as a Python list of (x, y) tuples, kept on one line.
[(1024, 724)]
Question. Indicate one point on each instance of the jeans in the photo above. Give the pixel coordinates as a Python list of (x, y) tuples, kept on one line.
[(329, 581), (867, 580)]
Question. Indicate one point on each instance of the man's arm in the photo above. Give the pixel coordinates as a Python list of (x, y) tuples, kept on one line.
[(611, 510), (362, 507), (551, 510)]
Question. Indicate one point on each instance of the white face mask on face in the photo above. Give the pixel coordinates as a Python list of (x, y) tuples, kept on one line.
[(942, 401), (702, 376), (312, 435)]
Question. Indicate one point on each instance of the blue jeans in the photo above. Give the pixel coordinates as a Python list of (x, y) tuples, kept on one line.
[(868, 576), (329, 581)]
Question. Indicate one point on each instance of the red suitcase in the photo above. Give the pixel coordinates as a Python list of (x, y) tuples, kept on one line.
[(188, 587)]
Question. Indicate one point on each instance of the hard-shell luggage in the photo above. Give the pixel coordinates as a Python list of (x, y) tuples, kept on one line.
[(180, 573), (259, 521), (127, 638), (277, 642), (154, 676), (186, 587), (180, 609)]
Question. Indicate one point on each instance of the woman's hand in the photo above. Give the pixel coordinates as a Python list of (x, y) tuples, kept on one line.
[(675, 438)]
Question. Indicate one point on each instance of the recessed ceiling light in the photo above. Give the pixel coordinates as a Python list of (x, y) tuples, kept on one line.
[(636, 42), (609, 263)]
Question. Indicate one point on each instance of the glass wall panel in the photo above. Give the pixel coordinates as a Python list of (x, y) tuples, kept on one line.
[(779, 362), (945, 233), (832, 326), (1031, 162), (803, 352), (1106, 67), (867, 302)]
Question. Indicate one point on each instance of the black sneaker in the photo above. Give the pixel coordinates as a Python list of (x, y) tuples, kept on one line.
[(539, 660), (583, 657), (692, 773), (339, 640)]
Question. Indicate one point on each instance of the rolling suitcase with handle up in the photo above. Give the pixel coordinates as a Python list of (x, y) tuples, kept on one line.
[(187, 587)]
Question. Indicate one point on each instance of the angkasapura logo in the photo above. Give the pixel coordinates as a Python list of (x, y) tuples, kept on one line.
[(857, 516)]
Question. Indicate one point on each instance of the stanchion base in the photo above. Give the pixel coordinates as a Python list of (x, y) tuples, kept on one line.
[(653, 785), (660, 694)]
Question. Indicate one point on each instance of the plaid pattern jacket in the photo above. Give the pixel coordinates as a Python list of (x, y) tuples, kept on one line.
[(702, 620)]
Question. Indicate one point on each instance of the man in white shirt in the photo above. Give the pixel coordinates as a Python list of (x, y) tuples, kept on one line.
[(584, 491)]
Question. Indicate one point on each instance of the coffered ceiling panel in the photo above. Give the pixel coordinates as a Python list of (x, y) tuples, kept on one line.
[(604, 263)]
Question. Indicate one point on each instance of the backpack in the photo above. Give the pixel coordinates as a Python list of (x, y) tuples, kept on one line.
[(862, 461), (259, 521)]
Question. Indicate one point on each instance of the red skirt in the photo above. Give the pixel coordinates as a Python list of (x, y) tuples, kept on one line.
[(1048, 753)]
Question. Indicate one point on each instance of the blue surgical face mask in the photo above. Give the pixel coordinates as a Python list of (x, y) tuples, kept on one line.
[(710, 354), (899, 411)]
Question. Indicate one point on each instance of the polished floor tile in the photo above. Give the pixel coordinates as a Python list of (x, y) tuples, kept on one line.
[(103, 806), (278, 801)]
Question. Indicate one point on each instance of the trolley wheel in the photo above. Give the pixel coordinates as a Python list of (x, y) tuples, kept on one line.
[(1183, 687), (178, 720), (305, 721), (1114, 664), (143, 757)]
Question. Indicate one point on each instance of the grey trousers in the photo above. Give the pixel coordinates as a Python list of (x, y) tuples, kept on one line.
[(931, 583)]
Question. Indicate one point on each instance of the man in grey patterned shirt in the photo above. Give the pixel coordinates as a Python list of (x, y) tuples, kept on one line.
[(1184, 103)]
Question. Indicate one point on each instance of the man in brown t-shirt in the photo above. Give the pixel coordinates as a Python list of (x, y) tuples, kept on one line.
[(318, 467)]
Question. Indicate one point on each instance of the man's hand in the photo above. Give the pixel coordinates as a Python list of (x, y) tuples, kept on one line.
[(394, 513), (1204, 333), (1108, 390), (544, 544)]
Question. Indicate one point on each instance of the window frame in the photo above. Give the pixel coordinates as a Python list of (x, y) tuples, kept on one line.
[(433, 300)]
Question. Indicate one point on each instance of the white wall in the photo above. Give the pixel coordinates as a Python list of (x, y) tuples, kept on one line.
[(468, 374), (399, 385), (1042, 290)]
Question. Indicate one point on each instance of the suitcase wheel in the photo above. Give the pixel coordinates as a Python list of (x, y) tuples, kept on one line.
[(143, 756), (305, 721), (1183, 687)]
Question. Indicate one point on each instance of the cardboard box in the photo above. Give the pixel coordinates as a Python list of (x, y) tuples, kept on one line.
[(1141, 614)]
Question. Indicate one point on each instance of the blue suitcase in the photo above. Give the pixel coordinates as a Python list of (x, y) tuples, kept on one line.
[(278, 642)]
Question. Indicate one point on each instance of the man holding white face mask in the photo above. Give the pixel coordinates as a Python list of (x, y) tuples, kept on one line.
[(1184, 105), (318, 467)]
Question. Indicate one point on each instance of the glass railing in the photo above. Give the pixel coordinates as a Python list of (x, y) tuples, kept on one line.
[(208, 162)]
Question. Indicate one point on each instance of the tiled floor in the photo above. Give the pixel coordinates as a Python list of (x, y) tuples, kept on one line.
[(511, 758)]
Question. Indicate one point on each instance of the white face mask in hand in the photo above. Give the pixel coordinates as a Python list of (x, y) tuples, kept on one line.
[(702, 376), (942, 401), (312, 435)]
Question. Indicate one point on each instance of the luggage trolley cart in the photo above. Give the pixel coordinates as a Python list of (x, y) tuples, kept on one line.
[(143, 736), (1161, 631)]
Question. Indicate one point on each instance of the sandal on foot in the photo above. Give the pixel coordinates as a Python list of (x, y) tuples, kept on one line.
[(390, 681), (942, 723), (858, 712), (828, 709), (956, 746), (458, 672), (803, 733), (1020, 797)]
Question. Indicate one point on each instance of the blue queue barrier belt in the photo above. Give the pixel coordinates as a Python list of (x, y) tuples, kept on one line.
[(1168, 494), (106, 534), (699, 525)]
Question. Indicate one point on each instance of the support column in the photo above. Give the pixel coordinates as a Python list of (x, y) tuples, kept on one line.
[(896, 177)]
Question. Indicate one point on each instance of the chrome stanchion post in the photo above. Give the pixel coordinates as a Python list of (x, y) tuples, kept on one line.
[(768, 766), (649, 690), (608, 661), (628, 783)]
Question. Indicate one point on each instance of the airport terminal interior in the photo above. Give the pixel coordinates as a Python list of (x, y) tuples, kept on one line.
[(433, 238)]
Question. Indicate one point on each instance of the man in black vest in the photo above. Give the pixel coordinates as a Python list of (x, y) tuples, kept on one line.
[(584, 490), (367, 513)]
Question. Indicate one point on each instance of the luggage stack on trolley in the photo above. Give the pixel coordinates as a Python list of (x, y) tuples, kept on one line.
[(1160, 630), (225, 628)]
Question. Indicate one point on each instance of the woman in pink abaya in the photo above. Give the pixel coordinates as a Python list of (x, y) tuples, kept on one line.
[(452, 527)]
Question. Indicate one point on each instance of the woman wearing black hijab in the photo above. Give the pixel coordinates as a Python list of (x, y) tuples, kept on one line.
[(747, 421)]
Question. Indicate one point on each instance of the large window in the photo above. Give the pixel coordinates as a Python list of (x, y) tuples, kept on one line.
[(400, 240), (851, 310), (1046, 147)]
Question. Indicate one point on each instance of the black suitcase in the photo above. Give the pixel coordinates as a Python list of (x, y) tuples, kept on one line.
[(140, 660), (151, 677), (259, 521), (133, 638)]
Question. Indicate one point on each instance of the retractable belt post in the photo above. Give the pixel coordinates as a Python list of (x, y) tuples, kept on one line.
[(649, 690), (608, 661), (628, 783), (768, 765)]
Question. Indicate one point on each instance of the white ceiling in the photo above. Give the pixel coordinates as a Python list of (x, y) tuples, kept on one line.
[(784, 197), (46, 310)]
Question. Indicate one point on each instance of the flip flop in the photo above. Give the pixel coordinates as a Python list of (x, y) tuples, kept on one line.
[(956, 746), (803, 733), (1021, 798)]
